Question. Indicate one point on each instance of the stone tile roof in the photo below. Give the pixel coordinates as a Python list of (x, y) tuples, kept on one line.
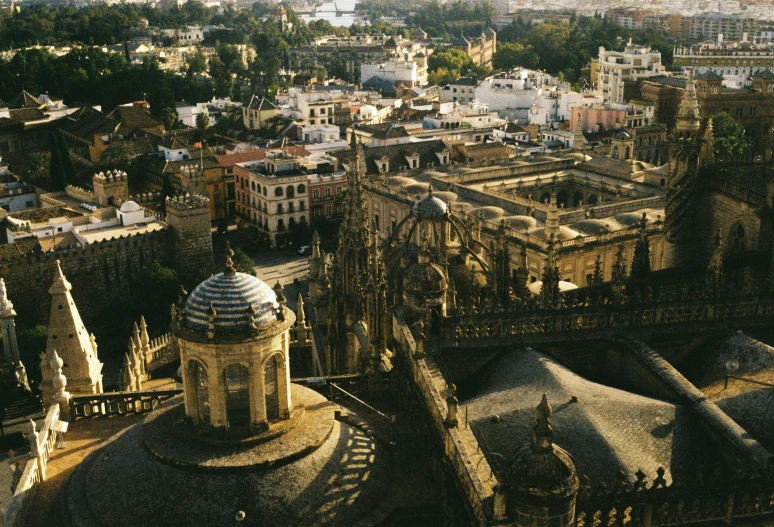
[(397, 154), (25, 100), (87, 124), (26, 114), (60, 241), (259, 103), (607, 430), (44, 214), (135, 118)]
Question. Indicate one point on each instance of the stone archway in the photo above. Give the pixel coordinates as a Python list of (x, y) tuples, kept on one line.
[(271, 389), (200, 386), (236, 382)]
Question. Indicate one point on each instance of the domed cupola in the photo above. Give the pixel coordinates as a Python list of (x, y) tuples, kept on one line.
[(430, 207), (233, 337), (542, 481), (425, 284), (230, 295)]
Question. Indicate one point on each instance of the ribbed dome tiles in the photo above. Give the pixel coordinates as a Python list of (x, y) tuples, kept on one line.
[(231, 295)]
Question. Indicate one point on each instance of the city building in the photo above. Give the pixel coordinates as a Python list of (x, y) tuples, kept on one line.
[(397, 72), (480, 49), (342, 56), (619, 69), (725, 58)]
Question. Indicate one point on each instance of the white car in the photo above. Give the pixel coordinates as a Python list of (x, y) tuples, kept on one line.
[(304, 249)]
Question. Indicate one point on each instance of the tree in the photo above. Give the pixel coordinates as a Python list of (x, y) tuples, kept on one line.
[(242, 262), (56, 167), (202, 121), (513, 54), (32, 342), (171, 118), (730, 141), (160, 288), (35, 170), (67, 162), (196, 63)]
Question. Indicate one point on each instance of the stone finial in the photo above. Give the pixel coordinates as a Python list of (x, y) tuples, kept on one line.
[(230, 271), (280, 296), (211, 315), (56, 362), (542, 433), (250, 314), (144, 338), (60, 285), (136, 335), (300, 316)]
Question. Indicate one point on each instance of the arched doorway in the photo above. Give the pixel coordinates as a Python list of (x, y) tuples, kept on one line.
[(561, 199), (271, 389), (736, 239), (236, 379), (577, 199), (201, 390)]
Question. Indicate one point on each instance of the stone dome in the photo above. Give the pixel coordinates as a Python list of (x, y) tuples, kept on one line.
[(623, 136), (543, 472), (130, 206), (430, 207), (231, 295)]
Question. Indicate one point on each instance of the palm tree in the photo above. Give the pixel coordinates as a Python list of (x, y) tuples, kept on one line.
[(202, 121)]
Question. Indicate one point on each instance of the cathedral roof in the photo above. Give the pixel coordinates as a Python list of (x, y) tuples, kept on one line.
[(605, 431), (230, 295)]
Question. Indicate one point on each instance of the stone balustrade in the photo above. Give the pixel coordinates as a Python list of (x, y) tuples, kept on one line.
[(117, 403), (713, 498), (42, 443), (479, 323)]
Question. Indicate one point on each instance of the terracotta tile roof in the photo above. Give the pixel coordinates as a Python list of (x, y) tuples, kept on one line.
[(12, 251), (60, 241)]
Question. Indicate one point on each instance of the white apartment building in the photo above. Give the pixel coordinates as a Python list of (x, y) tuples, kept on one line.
[(618, 67), (408, 73), (518, 88), (279, 195)]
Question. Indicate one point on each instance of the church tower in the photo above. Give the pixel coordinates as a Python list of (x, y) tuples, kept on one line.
[(67, 336), (686, 161), (350, 271)]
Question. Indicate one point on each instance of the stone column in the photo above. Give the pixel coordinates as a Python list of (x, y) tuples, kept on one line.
[(8, 325)]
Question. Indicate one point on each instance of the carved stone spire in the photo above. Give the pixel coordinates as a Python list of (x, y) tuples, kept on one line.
[(688, 119), (300, 316), (641, 259), (542, 433)]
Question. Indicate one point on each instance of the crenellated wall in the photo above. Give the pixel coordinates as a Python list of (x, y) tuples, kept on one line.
[(99, 273)]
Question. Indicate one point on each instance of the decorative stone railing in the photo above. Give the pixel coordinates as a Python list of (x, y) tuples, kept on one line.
[(42, 443), (161, 351), (117, 403), (711, 498), (499, 323)]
